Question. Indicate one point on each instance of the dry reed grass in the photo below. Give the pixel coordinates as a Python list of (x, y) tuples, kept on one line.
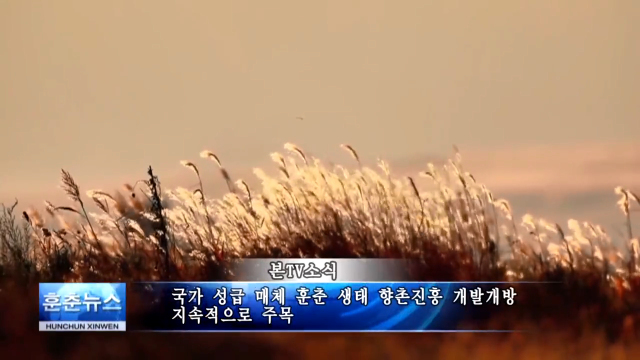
[(456, 231)]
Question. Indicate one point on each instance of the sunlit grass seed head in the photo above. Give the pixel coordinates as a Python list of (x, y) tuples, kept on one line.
[(370, 211)]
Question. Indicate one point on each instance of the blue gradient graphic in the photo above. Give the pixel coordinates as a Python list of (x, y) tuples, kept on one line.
[(83, 309), (446, 315)]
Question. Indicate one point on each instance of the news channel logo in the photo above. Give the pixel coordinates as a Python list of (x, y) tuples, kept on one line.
[(83, 306)]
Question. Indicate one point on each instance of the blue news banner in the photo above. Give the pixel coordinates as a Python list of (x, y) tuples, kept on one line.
[(270, 306), (83, 307)]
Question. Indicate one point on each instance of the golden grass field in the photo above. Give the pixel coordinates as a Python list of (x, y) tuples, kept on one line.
[(443, 218)]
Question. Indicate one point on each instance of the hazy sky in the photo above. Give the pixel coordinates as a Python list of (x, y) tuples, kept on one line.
[(106, 88)]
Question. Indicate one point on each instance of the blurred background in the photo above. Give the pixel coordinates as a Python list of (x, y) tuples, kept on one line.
[(541, 97)]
